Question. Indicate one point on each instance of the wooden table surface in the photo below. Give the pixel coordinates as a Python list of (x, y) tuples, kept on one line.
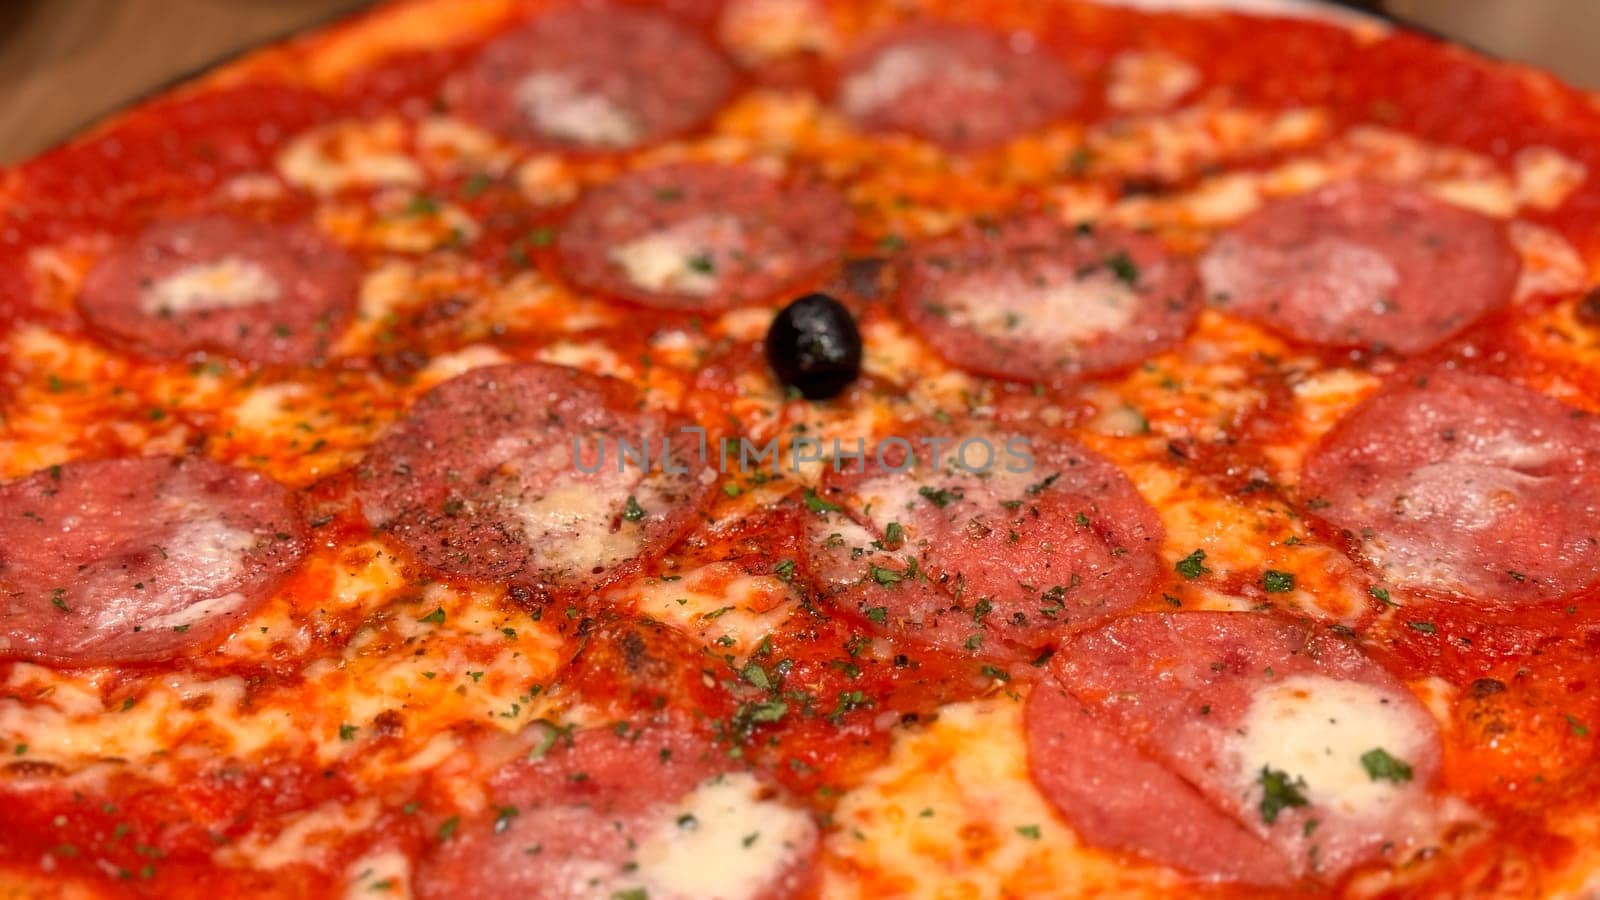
[(65, 63)]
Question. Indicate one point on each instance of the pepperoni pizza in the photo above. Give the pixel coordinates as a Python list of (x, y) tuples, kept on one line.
[(805, 448)]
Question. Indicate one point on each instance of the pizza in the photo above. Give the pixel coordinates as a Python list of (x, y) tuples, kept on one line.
[(794, 448)]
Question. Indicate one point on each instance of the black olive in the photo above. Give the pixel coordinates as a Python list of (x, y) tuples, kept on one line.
[(815, 347)]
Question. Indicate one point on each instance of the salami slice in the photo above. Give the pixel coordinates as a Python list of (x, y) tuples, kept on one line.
[(1036, 300), (956, 85), (1465, 484), (130, 560), (1117, 797), (1314, 757), (617, 812), (597, 79), (519, 473), (265, 293), (1363, 264), (995, 550), (702, 237)]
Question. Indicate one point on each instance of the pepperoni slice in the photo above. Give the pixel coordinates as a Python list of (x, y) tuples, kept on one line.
[(1233, 745), (956, 85), (1363, 264), (1036, 300), (614, 812), (702, 237), (131, 560), (519, 473), (265, 293), (597, 79), (997, 550), (1466, 484)]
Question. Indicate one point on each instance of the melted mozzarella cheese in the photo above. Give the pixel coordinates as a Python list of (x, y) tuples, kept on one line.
[(383, 873), (227, 283), (1317, 728), (724, 841), (568, 524), (759, 31), (452, 146), (1142, 81), (1550, 264), (1066, 312), (483, 662), (557, 104), (726, 608), (679, 259), (547, 180), (891, 74), (1545, 177), (350, 154), (953, 812)]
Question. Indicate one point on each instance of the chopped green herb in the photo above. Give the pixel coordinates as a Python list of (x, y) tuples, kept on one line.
[(757, 676), (1278, 793), (1193, 565), (818, 505), (1381, 766), (1123, 266), (632, 511), (1275, 582), (995, 673), (886, 576), (475, 185)]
